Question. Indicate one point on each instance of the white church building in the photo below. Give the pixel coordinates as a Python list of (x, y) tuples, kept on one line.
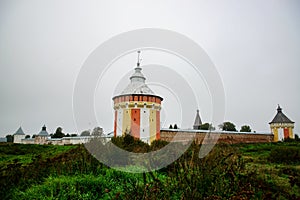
[(43, 137)]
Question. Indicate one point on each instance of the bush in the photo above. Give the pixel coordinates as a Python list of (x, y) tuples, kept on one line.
[(285, 154), (129, 143)]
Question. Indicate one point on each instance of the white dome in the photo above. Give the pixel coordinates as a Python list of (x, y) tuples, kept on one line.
[(137, 84)]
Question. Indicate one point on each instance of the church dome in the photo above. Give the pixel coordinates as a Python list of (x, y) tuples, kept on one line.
[(137, 84), (43, 132)]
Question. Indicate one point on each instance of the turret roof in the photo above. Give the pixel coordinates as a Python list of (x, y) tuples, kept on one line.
[(20, 131), (137, 83), (280, 117), (43, 132), (198, 121)]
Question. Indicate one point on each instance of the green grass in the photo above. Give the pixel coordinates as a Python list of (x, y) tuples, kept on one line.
[(24, 154), (273, 164), (228, 172), (74, 187)]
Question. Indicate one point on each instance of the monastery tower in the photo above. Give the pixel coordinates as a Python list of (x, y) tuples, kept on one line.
[(137, 109), (281, 126), (19, 135)]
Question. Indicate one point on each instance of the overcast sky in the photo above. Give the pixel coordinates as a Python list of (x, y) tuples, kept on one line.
[(255, 46)]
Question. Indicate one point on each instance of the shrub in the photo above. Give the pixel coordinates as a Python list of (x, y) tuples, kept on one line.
[(285, 154)]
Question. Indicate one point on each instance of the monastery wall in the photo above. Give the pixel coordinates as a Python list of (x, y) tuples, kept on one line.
[(60, 141), (226, 137)]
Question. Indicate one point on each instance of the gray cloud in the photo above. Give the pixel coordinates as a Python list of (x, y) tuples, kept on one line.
[(255, 46)]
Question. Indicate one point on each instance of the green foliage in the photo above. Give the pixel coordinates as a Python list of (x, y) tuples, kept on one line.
[(170, 127), (288, 139), (157, 144), (245, 128), (241, 171), (227, 126), (85, 133), (206, 126), (175, 126), (285, 154), (97, 131), (293, 175), (74, 187), (10, 138), (25, 164), (58, 133), (130, 143)]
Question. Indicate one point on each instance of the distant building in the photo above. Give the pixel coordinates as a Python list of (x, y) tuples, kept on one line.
[(197, 122), (137, 109), (42, 137), (3, 139), (281, 126), (19, 135)]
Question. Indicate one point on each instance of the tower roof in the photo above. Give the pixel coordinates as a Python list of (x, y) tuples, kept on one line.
[(198, 121), (19, 131), (280, 117), (137, 83), (43, 132)]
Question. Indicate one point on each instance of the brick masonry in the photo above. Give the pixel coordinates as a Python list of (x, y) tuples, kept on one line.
[(225, 137)]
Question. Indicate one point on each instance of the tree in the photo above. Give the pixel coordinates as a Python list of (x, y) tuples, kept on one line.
[(58, 133), (128, 139), (227, 126), (97, 131), (206, 126), (27, 136), (245, 128), (170, 127), (10, 138), (33, 136), (85, 133), (175, 126), (73, 135)]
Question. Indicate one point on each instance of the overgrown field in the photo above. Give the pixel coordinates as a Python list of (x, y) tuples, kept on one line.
[(244, 171)]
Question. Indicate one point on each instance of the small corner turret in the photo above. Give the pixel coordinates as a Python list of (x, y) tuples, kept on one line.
[(281, 126)]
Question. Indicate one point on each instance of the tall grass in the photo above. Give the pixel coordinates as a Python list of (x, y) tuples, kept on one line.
[(228, 172)]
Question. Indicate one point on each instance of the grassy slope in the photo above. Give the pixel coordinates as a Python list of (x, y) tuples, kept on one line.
[(25, 154), (267, 161), (69, 172)]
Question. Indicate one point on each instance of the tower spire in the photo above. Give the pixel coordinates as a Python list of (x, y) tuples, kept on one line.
[(198, 121), (138, 59), (279, 109)]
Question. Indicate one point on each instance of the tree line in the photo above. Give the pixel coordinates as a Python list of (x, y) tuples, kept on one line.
[(225, 126)]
